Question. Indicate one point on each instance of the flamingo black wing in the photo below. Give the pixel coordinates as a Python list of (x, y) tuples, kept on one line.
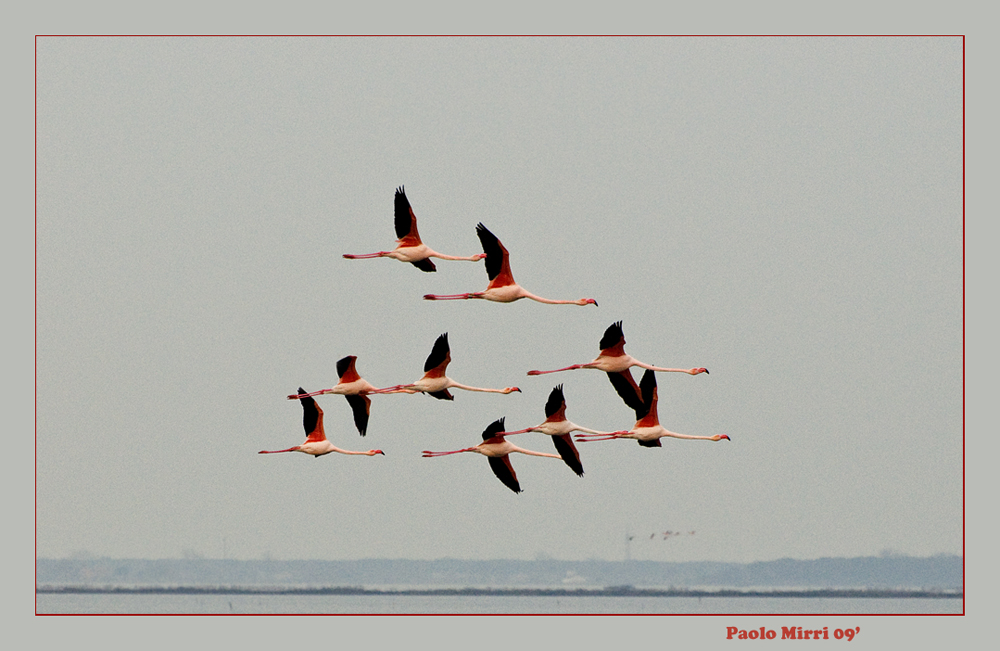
[(495, 253), (568, 452), (343, 364), (629, 391), (440, 353), (424, 265), (505, 472), (613, 335), (555, 402), (648, 388), (310, 413), (493, 429), (406, 221), (443, 394), (361, 407), (655, 443)]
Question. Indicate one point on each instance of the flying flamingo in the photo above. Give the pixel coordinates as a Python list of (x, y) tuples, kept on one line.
[(409, 247), (647, 430), (353, 387), (556, 426), (435, 382), (496, 449), (616, 363), (502, 287), (316, 443)]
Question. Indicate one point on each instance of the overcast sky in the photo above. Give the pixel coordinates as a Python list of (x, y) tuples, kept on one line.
[(784, 211)]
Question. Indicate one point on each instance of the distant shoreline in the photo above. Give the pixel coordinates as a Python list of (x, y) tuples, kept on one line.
[(612, 591)]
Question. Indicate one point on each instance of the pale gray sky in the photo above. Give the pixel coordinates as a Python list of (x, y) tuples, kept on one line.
[(42, 536), (784, 211)]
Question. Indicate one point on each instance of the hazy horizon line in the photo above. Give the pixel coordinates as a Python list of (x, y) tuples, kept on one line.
[(82, 556)]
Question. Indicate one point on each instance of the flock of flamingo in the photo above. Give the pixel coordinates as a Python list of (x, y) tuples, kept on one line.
[(612, 359)]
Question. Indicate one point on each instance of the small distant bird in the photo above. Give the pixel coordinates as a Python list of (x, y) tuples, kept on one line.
[(316, 443), (353, 387), (647, 430), (559, 429), (409, 247), (502, 287), (496, 449), (435, 382), (616, 363)]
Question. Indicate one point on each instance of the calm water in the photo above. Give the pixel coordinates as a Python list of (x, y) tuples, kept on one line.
[(388, 604)]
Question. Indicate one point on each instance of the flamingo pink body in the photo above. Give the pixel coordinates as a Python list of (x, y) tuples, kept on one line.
[(614, 361), (647, 430), (434, 381), (502, 288), (409, 246), (316, 442), (353, 387), (559, 428), (497, 450)]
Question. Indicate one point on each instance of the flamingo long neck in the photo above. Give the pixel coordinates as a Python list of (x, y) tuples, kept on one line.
[(551, 301), (471, 258), (636, 362), (532, 453), (688, 436), (455, 385)]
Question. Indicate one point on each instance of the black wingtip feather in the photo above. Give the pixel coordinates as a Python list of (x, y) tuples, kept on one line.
[(438, 352), (425, 265), (492, 249), (555, 401), (401, 213), (505, 473), (343, 364), (568, 452), (493, 428), (630, 395), (310, 412), (612, 335)]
